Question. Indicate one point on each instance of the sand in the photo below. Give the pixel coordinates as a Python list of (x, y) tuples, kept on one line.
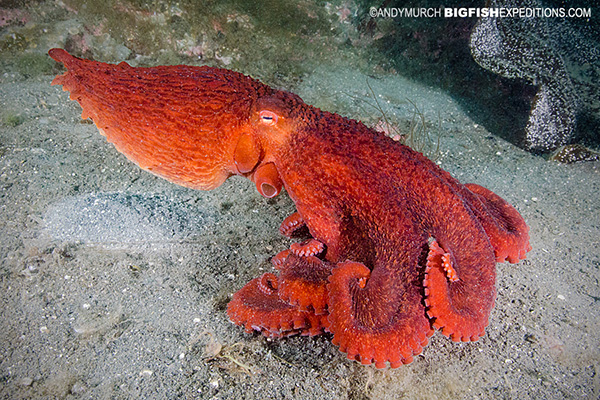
[(114, 282)]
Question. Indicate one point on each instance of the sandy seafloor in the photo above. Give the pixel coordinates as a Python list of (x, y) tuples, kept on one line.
[(114, 282)]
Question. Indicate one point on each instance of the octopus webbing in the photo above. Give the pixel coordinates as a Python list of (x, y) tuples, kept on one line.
[(397, 247)]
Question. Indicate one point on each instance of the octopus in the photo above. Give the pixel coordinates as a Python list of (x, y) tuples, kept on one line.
[(394, 247)]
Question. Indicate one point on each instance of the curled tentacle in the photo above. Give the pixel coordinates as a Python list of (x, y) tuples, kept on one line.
[(311, 247), (459, 301), (303, 283), (363, 328), (292, 224), (279, 259), (257, 307)]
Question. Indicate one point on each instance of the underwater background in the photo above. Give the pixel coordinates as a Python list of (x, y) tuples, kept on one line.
[(114, 283)]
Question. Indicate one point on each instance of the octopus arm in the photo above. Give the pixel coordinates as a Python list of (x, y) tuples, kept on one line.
[(377, 234), (258, 307), (377, 317), (505, 227), (303, 282), (376, 309), (460, 269)]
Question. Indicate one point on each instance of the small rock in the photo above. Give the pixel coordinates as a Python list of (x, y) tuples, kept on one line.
[(574, 153), (78, 388), (27, 381)]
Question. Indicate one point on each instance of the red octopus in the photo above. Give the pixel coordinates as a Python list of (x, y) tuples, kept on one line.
[(397, 246)]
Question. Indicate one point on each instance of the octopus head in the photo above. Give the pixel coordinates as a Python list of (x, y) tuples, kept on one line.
[(195, 126), (272, 123)]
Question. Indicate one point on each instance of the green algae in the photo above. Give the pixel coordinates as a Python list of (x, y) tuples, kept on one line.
[(276, 41), (14, 41), (12, 119), (34, 64)]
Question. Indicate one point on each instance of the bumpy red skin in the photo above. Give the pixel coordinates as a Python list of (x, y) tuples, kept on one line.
[(398, 247)]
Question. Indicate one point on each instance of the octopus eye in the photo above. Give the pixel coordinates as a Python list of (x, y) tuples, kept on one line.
[(268, 118)]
